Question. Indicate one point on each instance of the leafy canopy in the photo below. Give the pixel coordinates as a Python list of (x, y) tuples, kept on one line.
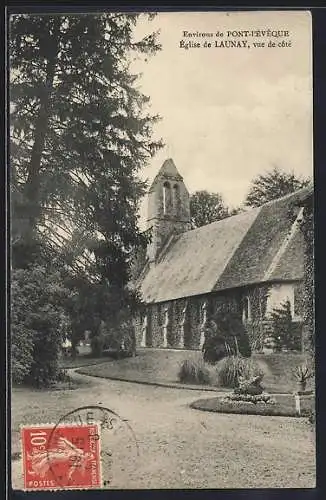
[(80, 134), (273, 185), (206, 207)]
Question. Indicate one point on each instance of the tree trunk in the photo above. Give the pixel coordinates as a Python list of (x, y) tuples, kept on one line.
[(32, 187)]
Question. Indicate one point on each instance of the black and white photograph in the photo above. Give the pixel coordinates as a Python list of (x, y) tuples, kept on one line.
[(162, 330)]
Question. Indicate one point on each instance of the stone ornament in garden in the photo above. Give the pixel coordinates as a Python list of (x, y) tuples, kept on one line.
[(251, 391), (250, 386)]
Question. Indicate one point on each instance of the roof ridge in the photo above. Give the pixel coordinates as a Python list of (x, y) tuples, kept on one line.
[(250, 209), (293, 193), (221, 220)]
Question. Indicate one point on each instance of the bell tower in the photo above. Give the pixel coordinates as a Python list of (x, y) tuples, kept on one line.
[(168, 208)]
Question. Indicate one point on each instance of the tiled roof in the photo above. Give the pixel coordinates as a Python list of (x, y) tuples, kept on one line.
[(230, 253)]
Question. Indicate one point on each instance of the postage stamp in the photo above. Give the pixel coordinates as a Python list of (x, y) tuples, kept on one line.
[(61, 457), (118, 452)]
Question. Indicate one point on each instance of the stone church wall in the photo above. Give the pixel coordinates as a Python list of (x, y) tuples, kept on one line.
[(257, 324)]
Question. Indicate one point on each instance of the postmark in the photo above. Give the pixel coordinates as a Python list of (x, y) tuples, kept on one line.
[(91, 447)]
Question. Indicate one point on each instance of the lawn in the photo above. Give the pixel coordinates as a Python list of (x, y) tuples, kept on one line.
[(149, 366), (83, 360), (161, 366), (179, 447)]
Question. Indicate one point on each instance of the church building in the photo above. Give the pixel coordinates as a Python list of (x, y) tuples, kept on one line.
[(248, 263)]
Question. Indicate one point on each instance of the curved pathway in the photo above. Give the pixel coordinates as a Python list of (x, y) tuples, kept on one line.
[(184, 448)]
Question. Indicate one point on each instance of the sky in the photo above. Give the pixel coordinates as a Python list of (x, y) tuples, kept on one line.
[(230, 114)]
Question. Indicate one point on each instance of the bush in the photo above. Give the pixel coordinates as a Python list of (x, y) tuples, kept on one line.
[(234, 367), (45, 368), (225, 335), (193, 372), (21, 352), (38, 321), (97, 345), (119, 335), (285, 334), (312, 416)]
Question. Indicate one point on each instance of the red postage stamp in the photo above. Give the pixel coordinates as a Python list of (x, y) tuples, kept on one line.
[(61, 457)]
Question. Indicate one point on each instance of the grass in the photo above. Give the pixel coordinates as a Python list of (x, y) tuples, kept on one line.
[(162, 366), (278, 371), (150, 365), (83, 360), (41, 406), (284, 406), (179, 447)]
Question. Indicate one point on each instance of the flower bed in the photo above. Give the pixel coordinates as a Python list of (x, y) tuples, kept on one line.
[(279, 406)]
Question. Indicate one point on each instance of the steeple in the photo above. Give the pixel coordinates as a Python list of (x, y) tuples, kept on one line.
[(168, 207)]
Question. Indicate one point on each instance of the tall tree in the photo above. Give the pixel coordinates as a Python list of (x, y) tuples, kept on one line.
[(206, 207), (80, 132), (272, 185)]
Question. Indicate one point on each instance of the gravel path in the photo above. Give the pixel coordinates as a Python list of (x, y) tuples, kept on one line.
[(184, 448)]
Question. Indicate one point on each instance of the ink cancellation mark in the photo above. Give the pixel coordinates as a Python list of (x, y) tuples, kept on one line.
[(86, 449)]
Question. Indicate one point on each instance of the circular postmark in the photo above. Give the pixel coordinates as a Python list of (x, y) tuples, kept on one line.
[(91, 447)]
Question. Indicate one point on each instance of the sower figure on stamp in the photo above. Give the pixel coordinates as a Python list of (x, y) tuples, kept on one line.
[(64, 452)]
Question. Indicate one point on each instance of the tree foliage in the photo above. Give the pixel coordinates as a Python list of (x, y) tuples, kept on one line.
[(207, 207), (39, 323), (80, 133), (273, 185), (225, 335), (285, 334)]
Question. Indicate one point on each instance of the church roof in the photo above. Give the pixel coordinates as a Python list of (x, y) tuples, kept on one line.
[(259, 245)]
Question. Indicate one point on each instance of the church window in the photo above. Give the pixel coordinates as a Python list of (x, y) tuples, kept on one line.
[(166, 197), (198, 311), (246, 312), (160, 314), (176, 198)]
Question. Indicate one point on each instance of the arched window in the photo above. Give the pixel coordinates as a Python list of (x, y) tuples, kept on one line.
[(246, 312), (166, 197), (176, 198)]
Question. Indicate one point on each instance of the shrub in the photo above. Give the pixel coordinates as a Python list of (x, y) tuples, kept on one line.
[(128, 340), (97, 345), (193, 372), (312, 416), (285, 333), (225, 335), (234, 367), (38, 321), (302, 372), (21, 352), (47, 343)]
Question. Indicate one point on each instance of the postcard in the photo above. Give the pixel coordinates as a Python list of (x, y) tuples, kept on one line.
[(162, 271)]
